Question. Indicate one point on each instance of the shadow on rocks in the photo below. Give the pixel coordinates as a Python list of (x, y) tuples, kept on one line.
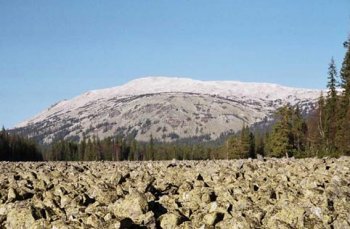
[(127, 223)]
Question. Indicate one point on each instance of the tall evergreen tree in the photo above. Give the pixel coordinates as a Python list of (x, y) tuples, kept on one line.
[(259, 144), (89, 153), (234, 148), (4, 145), (343, 136), (330, 112), (150, 149), (134, 151), (280, 139), (82, 149), (321, 117), (299, 131), (241, 145), (247, 143)]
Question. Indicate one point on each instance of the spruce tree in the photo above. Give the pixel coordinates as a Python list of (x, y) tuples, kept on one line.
[(321, 117), (90, 154), (252, 146), (343, 136), (134, 154), (234, 147), (280, 139), (299, 131), (150, 149), (82, 149), (259, 144), (4, 145), (330, 112), (245, 142)]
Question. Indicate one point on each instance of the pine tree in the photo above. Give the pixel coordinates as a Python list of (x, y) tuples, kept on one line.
[(323, 130), (330, 121), (151, 147), (241, 145), (89, 153), (343, 136), (245, 142), (99, 150), (267, 145), (259, 144), (280, 139), (321, 117), (4, 145), (82, 149), (73, 151), (234, 147), (134, 154), (252, 153), (299, 131)]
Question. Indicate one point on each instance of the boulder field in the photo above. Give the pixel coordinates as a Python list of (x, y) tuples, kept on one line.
[(265, 193)]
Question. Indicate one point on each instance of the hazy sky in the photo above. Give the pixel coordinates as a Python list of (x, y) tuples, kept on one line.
[(53, 50)]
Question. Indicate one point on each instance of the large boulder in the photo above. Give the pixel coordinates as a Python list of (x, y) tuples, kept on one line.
[(133, 206)]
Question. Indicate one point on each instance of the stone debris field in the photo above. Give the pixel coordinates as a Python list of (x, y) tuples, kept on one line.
[(269, 193)]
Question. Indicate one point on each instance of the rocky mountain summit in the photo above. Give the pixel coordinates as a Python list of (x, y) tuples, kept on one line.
[(272, 193), (167, 108)]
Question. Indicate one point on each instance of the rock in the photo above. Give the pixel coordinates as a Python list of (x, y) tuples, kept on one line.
[(19, 217), (291, 215), (211, 218), (65, 200), (12, 195), (107, 217), (94, 221), (259, 157), (234, 223), (2, 220), (117, 178), (133, 206), (148, 220), (170, 220), (269, 193)]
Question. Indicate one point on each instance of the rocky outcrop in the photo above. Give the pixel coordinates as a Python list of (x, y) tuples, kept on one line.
[(272, 193)]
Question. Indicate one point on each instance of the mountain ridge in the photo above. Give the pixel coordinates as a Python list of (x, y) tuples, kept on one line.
[(173, 102)]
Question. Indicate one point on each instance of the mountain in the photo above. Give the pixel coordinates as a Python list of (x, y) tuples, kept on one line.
[(168, 108)]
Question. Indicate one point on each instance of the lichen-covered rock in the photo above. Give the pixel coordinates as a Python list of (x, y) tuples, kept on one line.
[(212, 218), (290, 215), (12, 195), (133, 206), (268, 193), (20, 217), (170, 220)]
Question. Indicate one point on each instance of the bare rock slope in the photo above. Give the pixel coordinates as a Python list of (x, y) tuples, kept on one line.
[(309, 193), (167, 108)]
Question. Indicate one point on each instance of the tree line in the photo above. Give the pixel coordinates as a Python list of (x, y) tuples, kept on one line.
[(16, 148), (120, 149)]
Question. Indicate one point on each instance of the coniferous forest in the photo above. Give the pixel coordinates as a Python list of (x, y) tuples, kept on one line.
[(17, 148), (325, 132)]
